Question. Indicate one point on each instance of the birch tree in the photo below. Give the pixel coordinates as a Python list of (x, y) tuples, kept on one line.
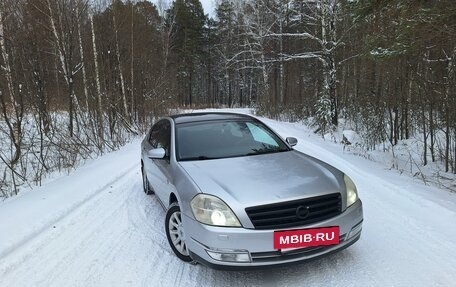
[(14, 123), (269, 24), (64, 31), (79, 14), (256, 23), (315, 22), (119, 64), (97, 84)]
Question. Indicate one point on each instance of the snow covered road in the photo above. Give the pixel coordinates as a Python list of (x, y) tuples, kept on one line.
[(112, 234)]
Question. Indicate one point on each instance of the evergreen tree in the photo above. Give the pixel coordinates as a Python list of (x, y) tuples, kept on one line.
[(187, 20)]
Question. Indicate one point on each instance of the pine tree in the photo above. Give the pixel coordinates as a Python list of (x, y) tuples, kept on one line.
[(188, 19)]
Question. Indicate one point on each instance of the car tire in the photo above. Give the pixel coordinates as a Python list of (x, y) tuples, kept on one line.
[(146, 187), (175, 233)]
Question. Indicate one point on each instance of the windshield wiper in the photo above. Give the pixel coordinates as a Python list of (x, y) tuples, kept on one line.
[(265, 151), (200, 157)]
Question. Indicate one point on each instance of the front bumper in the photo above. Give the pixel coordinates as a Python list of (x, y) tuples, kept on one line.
[(203, 240)]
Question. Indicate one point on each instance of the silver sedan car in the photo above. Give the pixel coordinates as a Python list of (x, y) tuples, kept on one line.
[(237, 195)]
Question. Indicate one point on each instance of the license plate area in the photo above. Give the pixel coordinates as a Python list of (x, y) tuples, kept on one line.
[(299, 238)]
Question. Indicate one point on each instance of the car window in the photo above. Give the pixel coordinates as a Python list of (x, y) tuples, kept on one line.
[(261, 135), (160, 136), (222, 139)]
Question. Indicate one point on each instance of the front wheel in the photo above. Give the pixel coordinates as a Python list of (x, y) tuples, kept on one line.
[(175, 233)]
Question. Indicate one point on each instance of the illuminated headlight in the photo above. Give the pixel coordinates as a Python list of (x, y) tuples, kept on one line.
[(352, 194), (211, 210)]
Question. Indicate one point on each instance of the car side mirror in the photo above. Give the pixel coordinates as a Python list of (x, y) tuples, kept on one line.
[(292, 141), (156, 153)]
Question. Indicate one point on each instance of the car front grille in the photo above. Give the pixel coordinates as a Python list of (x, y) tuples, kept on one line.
[(295, 213)]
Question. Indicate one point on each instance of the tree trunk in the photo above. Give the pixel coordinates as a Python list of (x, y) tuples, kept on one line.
[(431, 131), (448, 90), (119, 66), (281, 64), (264, 70), (423, 118), (81, 52), (14, 126), (65, 56), (98, 87), (132, 88), (328, 36)]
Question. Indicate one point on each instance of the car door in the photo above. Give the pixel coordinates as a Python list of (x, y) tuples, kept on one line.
[(158, 170)]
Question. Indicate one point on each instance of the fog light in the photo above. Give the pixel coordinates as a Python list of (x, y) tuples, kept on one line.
[(355, 230), (229, 256)]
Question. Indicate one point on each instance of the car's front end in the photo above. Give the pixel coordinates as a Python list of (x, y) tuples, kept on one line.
[(245, 204), (239, 247)]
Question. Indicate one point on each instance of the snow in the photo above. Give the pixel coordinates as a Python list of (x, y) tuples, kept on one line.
[(95, 227), (39, 209), (405, 157)]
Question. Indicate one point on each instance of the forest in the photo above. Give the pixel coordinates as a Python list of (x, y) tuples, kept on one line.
[(80, 78)]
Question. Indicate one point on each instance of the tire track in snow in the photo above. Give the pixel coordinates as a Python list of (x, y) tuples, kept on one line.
[(5, 253), (63, 227)]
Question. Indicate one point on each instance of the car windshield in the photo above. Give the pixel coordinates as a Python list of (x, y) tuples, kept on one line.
[(222, 139)]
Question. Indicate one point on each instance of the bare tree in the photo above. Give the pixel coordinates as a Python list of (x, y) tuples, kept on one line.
[(81, 50), (97, 85), (65, 46), (14, 123), (119, 65)]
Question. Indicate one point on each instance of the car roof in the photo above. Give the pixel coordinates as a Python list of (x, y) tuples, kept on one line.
[(208, 116)]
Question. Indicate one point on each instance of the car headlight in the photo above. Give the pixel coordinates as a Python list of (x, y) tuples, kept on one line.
[(211, 210), (352, 194)]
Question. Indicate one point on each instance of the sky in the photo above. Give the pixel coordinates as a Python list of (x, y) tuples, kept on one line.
[(208, 6)]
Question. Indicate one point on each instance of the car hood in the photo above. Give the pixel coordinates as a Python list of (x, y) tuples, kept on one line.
[(263, 179)]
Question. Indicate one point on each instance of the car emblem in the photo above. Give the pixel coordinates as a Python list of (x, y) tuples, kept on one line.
[(302, 212)]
